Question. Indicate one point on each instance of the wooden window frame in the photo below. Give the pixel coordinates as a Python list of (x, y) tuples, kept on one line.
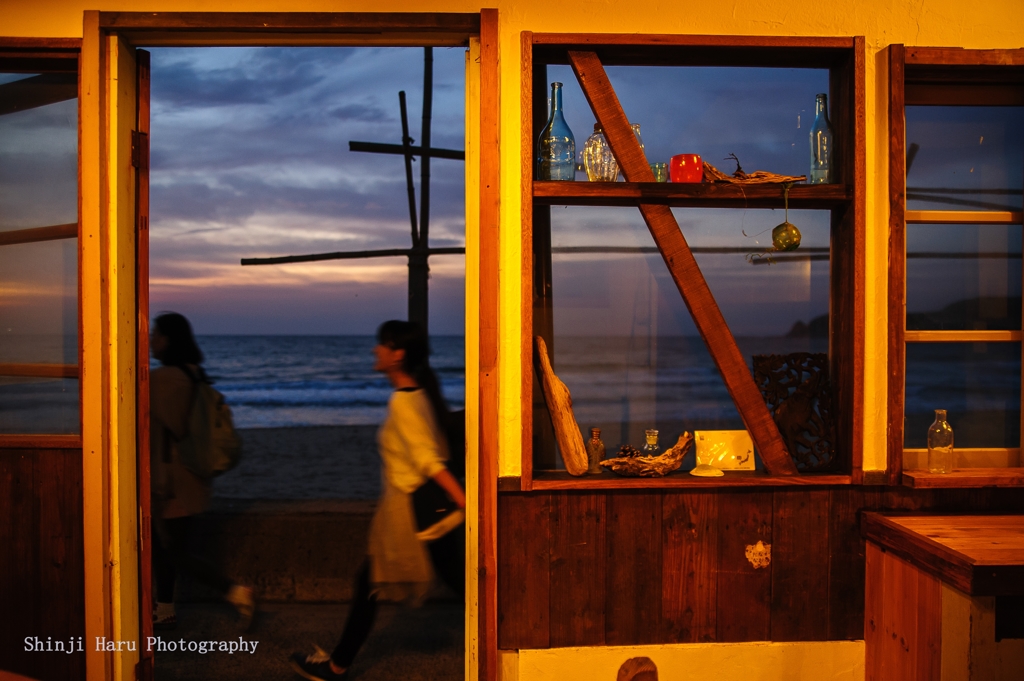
[(937, 76), (45, 55), (844, 57)]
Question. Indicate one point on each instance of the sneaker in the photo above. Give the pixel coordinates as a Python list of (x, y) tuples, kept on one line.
[(245, 603), (316, 667)]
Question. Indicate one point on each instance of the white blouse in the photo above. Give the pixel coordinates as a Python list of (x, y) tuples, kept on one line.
[(412, 445)]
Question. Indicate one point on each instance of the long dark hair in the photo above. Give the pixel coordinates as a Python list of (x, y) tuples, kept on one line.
[(182, 349), (411, 337)]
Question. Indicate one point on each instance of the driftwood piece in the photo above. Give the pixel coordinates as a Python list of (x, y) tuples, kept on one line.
[(713, 174), (651, 466), (559, 403)]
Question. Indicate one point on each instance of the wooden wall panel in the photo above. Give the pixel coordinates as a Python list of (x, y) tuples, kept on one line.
[(670, 566), (744, 591), (633, 591), (577, 523), (846, 565), (523, 571), (800, 565), (41, 559), (689, 572)]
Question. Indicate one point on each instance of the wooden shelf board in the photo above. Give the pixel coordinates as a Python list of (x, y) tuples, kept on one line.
[(560, 480), (702, 195), (962, 478)]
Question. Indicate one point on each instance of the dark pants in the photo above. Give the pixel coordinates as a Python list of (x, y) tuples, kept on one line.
[(172, 554), (448, 555)]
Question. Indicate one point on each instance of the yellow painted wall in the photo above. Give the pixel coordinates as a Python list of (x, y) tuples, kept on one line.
[(826, 661)]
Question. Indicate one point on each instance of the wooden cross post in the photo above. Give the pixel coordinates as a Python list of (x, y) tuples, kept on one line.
[(683, 267), (420, 252)]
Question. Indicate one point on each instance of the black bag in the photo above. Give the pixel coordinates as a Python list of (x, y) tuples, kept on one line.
[(431, 504)]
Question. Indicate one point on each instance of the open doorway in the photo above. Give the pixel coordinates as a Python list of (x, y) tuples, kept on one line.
[(250, 159)]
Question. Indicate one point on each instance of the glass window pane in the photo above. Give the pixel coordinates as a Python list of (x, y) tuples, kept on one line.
[(963, 277), (624, 342), (978, 384), (39, 281), (965, 157), (763, 115)]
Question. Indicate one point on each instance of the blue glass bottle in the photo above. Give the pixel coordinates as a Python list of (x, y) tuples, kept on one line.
[(556, 147), (821, 144)]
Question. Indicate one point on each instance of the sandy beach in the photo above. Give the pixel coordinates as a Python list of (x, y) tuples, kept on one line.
[(314, 462)]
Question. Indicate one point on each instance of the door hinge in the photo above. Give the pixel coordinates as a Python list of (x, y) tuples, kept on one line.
[(140, 150)]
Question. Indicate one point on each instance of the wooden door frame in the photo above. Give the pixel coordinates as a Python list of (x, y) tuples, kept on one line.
[(103, 33)]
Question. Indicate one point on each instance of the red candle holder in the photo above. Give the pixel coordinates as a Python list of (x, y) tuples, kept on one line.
[(686, 168)]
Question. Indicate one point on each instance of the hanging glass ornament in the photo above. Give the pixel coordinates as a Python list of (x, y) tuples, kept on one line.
[(785, 236)]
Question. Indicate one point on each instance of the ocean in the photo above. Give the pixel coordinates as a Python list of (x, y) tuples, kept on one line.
[(285, 381)]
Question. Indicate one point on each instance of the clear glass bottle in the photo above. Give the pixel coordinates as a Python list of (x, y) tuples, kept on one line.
[(650, 447), (595, 451), (940, 444), (598, 159), (556, 147), (821, 144)]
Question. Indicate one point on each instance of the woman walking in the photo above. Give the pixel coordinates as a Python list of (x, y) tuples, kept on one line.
[(178, 494), (408, 543)]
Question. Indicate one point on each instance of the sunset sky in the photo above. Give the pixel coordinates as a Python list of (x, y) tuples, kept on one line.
[(250, 158)]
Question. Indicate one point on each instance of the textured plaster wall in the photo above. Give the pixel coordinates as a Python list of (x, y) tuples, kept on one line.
[(824, 661), (991, 24)]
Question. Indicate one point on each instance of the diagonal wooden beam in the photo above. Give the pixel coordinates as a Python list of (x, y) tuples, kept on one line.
[(681, 263)]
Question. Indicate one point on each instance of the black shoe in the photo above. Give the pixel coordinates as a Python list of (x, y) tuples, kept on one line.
[(316, 667)]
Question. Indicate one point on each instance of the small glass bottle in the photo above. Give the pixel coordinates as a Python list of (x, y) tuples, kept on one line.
[(595, 451), (940, 444), (821, 144), (598, 159), (556, 147), (650, 447)]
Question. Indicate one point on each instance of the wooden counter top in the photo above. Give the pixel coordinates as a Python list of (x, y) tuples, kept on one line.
[(982, 555)]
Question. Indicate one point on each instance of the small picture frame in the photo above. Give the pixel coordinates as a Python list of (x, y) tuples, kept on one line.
[(726, 450)]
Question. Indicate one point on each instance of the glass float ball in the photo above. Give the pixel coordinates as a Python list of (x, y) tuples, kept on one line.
[(786, 237)]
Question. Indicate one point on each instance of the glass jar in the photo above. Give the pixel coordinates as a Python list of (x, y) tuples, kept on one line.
[(598, 159), (556, 147), (940, 444), (650, 447), (595, 451), (821, 144)]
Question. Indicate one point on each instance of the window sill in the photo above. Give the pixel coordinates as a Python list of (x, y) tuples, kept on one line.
[(560, 480), (965, 478)]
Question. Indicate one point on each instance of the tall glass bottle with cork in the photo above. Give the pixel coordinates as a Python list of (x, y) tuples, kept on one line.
[(556, 147)]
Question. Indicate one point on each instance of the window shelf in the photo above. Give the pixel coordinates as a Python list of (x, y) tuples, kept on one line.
[(702, 195), (588, 54), (557, 480), (965, 478)]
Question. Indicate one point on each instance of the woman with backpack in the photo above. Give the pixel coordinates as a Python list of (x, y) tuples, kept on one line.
[(417, 530), (178, 494)]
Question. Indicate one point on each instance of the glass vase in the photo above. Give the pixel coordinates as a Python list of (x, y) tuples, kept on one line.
[(598, 159), (595, 451), (556, 147), (940, 444), (821, 171)]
